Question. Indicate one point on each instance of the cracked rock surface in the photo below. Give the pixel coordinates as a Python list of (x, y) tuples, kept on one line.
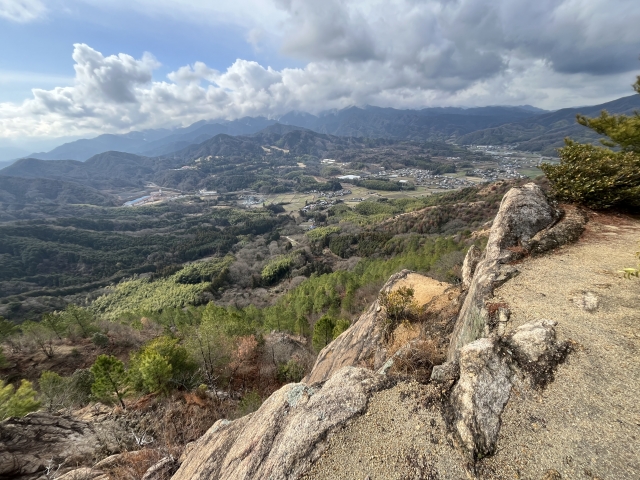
[(286, 434)]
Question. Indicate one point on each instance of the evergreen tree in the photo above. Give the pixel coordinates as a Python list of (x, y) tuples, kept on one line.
[(79, 321), (323, 332), (600, 177), (110, 379), (17, 403)]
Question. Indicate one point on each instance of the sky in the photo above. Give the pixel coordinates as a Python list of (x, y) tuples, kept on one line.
[(79, 68)]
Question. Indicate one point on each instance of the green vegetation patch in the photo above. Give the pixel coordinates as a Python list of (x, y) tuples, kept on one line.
[(320, 233), (278, 267), (177, 290)]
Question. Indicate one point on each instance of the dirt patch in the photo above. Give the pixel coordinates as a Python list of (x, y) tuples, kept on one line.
[(585, 423), (424, 288), (401, 436)]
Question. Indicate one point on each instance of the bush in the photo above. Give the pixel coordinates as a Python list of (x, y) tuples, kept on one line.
[(17, 403), (55, 391), (399, 305), (100, 339), (292, 371), (41, 336), (110, 380), (161, 366), (79, 321), (595, 176), (599, 177)]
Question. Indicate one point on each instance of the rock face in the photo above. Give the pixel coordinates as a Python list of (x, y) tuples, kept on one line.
[(361, 344), (480, 396), (487, 367), (471, 260), (29, 444), (536, 351), (566, 231), (523, 213), (286, 434)]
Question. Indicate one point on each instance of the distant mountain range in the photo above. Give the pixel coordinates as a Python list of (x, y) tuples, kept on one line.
[(525, 127), (152, 143), (429, 124), (546, 132), (114, 169)]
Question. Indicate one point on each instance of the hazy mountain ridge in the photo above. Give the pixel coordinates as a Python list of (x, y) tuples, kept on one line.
[(374, 122), (532, 128), (546, 132), (118, 169)]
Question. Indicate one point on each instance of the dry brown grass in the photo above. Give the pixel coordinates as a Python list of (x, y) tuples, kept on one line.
[(133, 465), (418, 358)]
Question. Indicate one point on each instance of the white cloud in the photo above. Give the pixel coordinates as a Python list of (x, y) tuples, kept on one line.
[(398, 53), (22, 11)]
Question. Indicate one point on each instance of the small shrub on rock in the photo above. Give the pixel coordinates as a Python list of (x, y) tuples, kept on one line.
[(399, 305)]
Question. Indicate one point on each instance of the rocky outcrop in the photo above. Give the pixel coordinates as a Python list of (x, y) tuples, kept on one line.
[(487, 368), (480, 396), (362, 344), (536, 351), (526, 223), (567, 230), (30, 444), (286, 434), (471, 260)]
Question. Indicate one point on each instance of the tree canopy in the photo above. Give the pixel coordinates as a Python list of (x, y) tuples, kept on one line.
[(601, 177)]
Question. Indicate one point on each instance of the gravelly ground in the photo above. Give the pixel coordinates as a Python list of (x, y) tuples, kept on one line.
[(584, 425), (398, 438)]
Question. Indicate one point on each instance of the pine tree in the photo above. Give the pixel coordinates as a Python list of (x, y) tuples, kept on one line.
[(17, 403), (110, 379), (323, 332), (601, 177)]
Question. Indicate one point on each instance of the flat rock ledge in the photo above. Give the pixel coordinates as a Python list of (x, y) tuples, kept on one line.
[(286, 434)]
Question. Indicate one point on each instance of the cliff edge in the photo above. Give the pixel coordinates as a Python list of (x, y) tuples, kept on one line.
[(541, 380)]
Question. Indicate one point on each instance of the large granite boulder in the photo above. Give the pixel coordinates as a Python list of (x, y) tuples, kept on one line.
[(480, 395), (523, 213), (285, 435)]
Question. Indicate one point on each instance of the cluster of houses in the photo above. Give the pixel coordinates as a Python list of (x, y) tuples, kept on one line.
[(339, 193), (319, 205)]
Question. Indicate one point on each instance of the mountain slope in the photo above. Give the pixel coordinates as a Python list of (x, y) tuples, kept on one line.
[(15, 190), (153, 142), (544, 133), (372, 122), (106, 170), (423, 125)]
